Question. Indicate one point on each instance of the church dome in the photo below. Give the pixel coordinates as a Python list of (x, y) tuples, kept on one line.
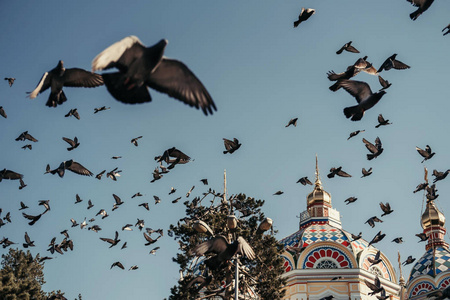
[(318, 195), (432, 216)]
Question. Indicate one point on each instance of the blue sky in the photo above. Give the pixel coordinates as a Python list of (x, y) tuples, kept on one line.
[(261, 72)]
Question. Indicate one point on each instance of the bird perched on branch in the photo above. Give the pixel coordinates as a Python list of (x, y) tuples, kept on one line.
[(59, 77), (140, 66)]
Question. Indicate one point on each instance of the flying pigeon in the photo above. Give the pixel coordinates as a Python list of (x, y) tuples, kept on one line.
[(376, 259), (304, 181), (141, 66), (117, 264), (27, 146), (73, 143), (305, 14), (99, 175), (204, 181), (96, 110), (26, 136), (366, 172), (372, 221), (178, 157), (409, 260), (10, 81), (134, 141), (422, 5), (11, 175), (114, 241), (384, 83), (71, 166), (375, 150), (378, 237), (363, 95), (292, 122), (382, 121), (386, 208), (437, 175), (338, 171), (423, 237), (28, 241), (391, 62), (231, 146), (59, 77), (375, 287), (73, 112), (347, 47), (426, 154), (356, 237), (350, 200), (398, 240), (354, 133)]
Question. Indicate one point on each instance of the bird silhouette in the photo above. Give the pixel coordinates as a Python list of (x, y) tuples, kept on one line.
[(304, 15), (423, 237), (11, 175), (422, 5), (426, 154), (113, 242), (350, 200), (378, 237), (2, 112), (354, 133), (376, 259), (292, 122), (304, 181), (134, 141), (439, 175), (103, 108), (70, 165), (28, 241), (371, 221), (446, 29), (231, 146), (59, 77), (73, 143), (10, 81), (140, 66), (339, 172), (375, 287), (117, 264), (361, 91), (384, 83), (398, 240), (26, 136), (382, 121), (356, 237), (375, 150), (392, 62), (73, 112), (366, 172), (386, 208), (408, 261), (347, 47)]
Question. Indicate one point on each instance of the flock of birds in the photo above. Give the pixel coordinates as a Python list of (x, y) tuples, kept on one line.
[(138, 68)]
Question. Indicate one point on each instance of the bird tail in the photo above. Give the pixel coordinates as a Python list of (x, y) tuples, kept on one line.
[(120, 87), (370, 156), (56, 98), (355, 112), (296, 23), (378, 126)]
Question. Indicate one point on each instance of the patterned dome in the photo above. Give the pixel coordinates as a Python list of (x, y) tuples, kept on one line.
[(424, 266)]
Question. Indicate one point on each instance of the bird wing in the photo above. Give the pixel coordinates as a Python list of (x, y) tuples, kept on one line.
[(398, 65), (370, 285), (384, 207), (76, 77), (111, 241), (371, 147), (382, 82), (378, 143), (2, 112), (117, 199), (27, 238), (229, 145), (148, 238), (43, 84), (380, 118), (175, 79), (8, 174), (79, 169), (245, 249), (216, 245), (71, 142), (350, 48), (174, 152), (358, 89), (118, 51), (377, 256), (343, 174)]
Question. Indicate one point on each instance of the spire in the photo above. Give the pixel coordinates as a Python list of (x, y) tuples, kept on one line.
[(318, 183), (433, 224)]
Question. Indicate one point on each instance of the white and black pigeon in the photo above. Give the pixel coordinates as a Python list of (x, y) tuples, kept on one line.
[(59, 77), (363, 95), (140, 66)]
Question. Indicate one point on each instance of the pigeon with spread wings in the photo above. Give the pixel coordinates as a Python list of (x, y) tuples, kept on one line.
[(59, 77), (140, 66), (375, 150)]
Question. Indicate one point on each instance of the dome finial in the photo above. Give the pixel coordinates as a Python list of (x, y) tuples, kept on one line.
[(318, 183)]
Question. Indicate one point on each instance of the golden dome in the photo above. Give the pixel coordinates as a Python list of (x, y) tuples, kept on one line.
[(432, 216), (318, 194)]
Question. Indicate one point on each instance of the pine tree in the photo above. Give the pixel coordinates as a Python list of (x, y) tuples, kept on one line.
[(22, 277), (261, 275)]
